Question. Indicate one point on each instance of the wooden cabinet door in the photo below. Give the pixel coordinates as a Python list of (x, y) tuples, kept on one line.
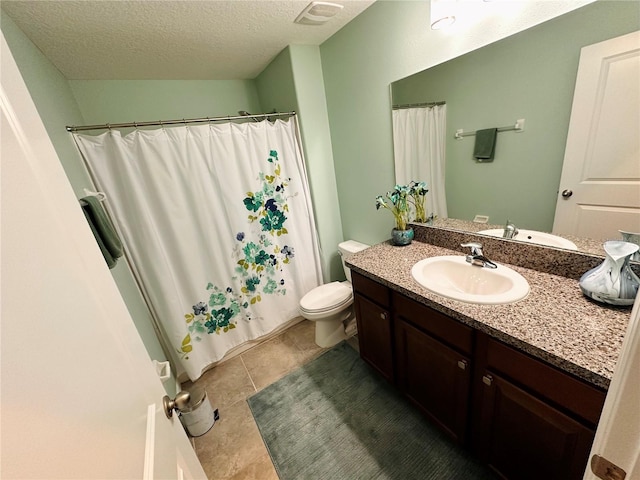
[(524, 438), (375, 336), (435, 377)]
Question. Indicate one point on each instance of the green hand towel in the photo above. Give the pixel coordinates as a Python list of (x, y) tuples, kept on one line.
[(102, 229), (485, 144)]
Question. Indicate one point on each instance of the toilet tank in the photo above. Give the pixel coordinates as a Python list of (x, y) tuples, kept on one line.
[(347, 248)]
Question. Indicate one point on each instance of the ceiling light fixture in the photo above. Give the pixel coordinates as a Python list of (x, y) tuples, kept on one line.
[(317, 13)]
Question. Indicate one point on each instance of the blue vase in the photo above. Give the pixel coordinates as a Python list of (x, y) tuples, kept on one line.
[(401, 237)]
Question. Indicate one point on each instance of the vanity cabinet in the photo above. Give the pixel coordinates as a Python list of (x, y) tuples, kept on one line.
[(533, 421), (434, 364), (523, 417), (371, 303)]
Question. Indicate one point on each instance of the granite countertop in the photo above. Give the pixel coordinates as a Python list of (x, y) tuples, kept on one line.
[(556, 322), (586, 245)]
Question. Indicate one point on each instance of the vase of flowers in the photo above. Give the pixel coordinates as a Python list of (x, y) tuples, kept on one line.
[(397, 202), (417, 195)]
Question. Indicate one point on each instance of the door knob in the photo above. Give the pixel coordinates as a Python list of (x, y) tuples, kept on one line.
[(567, 193), (181, 401)]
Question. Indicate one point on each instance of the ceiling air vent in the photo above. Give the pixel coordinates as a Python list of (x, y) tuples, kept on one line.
[(317, 13)]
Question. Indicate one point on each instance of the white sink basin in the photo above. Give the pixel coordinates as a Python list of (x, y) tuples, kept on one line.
[(533, 236), (452, 277)]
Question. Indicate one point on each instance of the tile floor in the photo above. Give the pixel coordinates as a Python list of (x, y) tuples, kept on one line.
[(233, 449)]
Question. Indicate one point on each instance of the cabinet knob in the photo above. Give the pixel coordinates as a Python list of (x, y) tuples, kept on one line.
[(462, 364), (487, 380), (383, 315)]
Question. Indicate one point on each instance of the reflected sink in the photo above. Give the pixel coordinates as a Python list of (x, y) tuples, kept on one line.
[(452, 277), (533, 236)]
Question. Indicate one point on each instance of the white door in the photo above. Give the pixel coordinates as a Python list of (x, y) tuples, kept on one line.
[(80, 397), (618, 435), (600, 185)]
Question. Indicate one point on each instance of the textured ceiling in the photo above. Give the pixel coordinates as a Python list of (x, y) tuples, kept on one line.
[(176, 39)]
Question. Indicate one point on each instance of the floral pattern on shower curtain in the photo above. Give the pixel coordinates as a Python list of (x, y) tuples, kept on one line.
[(260, 265), (218, 229)]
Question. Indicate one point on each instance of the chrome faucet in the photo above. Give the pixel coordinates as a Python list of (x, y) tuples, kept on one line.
[(510, 230), (476, 257)]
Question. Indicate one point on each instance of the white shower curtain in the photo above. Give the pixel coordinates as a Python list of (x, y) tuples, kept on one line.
[(419, 136), (218, 227)]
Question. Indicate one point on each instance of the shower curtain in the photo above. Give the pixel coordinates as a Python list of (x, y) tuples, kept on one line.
[(419, 136), (218, 228)]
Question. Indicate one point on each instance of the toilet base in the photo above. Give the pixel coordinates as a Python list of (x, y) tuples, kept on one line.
[(329, 333)]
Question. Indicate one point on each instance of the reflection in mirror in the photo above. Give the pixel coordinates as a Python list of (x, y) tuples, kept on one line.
[(530, 75), (412, 124), (584, 245)]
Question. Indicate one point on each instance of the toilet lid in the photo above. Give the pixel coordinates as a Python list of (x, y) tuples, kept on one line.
[(327, 296)]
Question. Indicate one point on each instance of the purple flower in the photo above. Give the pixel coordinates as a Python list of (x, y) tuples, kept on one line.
[(240, 236)]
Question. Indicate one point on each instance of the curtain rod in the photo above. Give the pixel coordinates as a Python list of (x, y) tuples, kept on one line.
[(415, 105), (176, 122)]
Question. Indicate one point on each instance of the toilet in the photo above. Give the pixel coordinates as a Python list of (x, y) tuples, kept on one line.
[(331, 305)]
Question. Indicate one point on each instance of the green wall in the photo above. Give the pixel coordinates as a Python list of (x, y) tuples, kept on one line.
[(316, 136), (121, 101), (529, 75), (57, 108), (275, 84), (293, 81), (389, 41)]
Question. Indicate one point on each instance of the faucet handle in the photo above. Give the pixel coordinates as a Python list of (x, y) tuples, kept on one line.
[(510, 230), (476, 248)]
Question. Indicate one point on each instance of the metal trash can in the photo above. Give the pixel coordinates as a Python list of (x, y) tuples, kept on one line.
[(197, 416)]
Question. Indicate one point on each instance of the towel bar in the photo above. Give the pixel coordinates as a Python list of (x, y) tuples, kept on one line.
[(518, 127)]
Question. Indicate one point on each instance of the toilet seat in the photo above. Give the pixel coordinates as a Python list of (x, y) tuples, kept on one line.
[(331, 296)]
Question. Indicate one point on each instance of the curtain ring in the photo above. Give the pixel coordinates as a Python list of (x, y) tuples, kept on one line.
[(135, 124)]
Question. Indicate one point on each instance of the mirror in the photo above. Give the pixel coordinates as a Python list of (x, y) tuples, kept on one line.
[(531, 76)]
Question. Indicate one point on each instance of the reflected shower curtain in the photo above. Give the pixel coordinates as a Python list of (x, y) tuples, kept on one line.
[(217, 225), (419, 136)]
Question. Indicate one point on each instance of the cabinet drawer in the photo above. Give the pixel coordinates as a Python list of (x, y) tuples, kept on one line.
[(371, 289), (446, 329), (574, 395)]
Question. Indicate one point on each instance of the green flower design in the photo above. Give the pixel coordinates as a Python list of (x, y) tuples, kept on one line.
[(217, 299), (274, 220), (262, 258), (270, 287), (250, 252)]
